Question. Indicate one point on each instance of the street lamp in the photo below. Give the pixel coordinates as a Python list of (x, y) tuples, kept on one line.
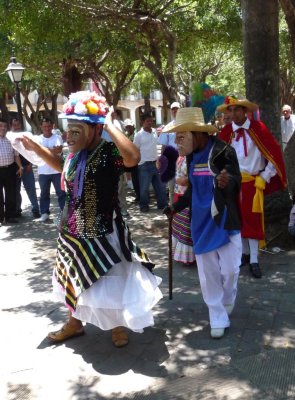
[(15, 72)]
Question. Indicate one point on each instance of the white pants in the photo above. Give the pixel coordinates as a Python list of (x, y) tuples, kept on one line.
[(218, 274)]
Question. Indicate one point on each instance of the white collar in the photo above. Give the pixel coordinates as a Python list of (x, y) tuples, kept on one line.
[(245, 125)]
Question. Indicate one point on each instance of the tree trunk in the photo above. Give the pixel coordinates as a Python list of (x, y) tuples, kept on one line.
[(147, 104), (3, 109), (288, 7), (261, 51), (72, 78)]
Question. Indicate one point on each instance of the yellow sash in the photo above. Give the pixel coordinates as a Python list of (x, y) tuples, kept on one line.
[(258, 199)]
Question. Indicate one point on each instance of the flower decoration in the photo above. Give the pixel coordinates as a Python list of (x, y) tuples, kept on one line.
[(230, 100), (85, 103)]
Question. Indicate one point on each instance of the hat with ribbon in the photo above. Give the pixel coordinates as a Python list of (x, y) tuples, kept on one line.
[(85, 106), (190, 119), (232, 101)]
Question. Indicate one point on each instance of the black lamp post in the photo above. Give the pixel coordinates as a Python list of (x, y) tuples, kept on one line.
[(15, 72)]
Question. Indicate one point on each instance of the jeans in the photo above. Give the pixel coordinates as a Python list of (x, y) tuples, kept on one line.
[(45, 183), (28, 180), (148, 174)]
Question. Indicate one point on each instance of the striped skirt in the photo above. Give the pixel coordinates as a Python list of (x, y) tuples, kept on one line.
[(106, 281), (182, 245)]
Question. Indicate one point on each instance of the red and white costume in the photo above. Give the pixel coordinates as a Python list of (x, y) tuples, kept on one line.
[(259, 156)]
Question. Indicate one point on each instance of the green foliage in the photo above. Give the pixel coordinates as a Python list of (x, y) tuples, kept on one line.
[(207, 36)]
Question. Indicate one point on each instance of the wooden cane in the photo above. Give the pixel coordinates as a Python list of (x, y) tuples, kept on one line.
[(170, 261)]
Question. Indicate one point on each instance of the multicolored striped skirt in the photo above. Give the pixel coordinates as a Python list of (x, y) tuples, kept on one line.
[(106, 281), (182, 245)]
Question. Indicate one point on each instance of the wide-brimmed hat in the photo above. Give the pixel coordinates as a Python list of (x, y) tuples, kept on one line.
[(190, 119), (232, 101), (85, 106)]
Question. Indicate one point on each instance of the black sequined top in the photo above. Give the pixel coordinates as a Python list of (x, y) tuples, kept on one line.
[(91, 214)]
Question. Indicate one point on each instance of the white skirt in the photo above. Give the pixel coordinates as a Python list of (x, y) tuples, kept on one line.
[(124, 296)]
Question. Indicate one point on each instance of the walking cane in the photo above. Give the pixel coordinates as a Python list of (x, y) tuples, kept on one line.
[(170, 271)]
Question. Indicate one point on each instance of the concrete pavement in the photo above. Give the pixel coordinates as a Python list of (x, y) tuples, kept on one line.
[(175, 359)]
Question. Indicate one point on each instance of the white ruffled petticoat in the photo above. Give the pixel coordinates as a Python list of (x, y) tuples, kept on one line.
[(125, 296)]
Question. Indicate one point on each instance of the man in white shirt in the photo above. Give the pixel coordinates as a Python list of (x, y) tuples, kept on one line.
[(146, 140), (47, 174), (287, 124)]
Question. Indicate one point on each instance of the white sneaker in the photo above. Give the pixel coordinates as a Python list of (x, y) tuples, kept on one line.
[(44, 217), (229, 308), (217, 333)]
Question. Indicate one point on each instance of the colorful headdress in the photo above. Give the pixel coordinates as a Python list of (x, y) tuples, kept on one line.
[(85, 106), (206, 98)]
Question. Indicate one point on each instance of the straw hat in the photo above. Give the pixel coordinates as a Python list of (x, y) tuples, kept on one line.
[(231, 101), (189, 119)]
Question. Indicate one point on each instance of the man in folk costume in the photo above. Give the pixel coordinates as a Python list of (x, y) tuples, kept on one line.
[(263, 172), (212, 195)]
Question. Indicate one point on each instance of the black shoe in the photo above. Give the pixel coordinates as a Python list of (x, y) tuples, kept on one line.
[(255, 270), (18, 214), (144, 209), (11, 220), (245, 259), (36, 215)]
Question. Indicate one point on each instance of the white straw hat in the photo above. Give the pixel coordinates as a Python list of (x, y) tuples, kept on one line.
[(189, 119)]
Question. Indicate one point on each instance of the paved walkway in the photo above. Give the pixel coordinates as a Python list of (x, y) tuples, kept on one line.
[(174, 360)]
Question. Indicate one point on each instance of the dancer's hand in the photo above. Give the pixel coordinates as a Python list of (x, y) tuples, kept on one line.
[(222, 179)]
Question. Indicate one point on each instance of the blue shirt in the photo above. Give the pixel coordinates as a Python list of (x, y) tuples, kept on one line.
[(206, 235)]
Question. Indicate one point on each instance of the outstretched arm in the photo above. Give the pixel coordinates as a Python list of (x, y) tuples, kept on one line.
[(127, 149), (50, 158)]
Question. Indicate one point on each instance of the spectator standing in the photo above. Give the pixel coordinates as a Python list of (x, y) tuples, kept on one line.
[(263, 172), (146, 140), (27, 178), (287, 124), (10, 167), (165, 140), (47, 174), (130, 133)]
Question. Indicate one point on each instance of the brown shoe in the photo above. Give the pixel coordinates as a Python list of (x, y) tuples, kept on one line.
[(65, 333), (119, 337)]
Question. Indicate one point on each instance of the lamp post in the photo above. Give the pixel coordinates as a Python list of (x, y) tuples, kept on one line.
[(15, 72)]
